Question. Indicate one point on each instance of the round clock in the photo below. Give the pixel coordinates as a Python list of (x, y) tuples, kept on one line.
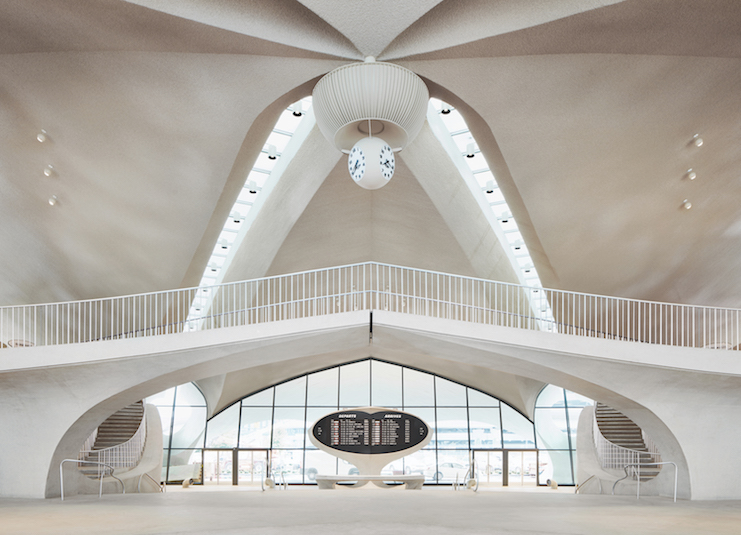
[(356, 163), (371, 163)]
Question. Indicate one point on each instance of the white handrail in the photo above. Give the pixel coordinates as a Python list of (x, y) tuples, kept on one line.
[(612, 456), (371, 286), (638, 486), (100, 475), (125, 455), (160, 486)]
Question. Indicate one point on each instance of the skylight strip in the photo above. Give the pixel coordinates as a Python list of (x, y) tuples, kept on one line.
[(450, 127), (259, 183)]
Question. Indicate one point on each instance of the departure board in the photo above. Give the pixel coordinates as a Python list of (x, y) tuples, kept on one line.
[(360, 432)]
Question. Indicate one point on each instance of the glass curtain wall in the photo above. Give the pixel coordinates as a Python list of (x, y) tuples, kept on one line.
[(557, 413), (183, 413), (273, 424), (280, 418)]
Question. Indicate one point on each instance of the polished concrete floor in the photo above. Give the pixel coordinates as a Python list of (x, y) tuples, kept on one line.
[(431, 511)]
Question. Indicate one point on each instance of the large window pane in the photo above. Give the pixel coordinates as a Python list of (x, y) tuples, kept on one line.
[(451, 465), (485, 428), (324, 388), (188, 394), (419, 389), (188, 427), (355, 385), (577, 400), (550, 424), (556, 466), (479, 399), (255, 429), (260, 399), (291, 393), (385, 385), (184, 465), (449, 394), (163, 398), (288, 465), (452, 428), (288, 428), (221, 431), (422, 462), (517, 431), (550, 396)]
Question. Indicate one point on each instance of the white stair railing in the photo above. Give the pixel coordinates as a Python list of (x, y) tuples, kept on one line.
[(125, 455), (371, 286), (612, 456)]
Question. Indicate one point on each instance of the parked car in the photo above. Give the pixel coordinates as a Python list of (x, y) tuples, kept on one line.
[(446, 471)]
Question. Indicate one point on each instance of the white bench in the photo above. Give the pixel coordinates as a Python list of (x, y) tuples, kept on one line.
[(411, 481)]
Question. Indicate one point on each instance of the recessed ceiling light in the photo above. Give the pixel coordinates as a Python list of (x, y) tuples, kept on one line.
[(42, 136), (697, 140), (298, 109), (48, 170), (252, 187), (691, 175), (53, 200), (470, 149), (272, 152), (686, 204)]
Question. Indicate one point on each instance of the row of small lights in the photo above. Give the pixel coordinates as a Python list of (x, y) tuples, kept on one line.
[(695, 142), (49, 171), (464, 140), (256, 180)]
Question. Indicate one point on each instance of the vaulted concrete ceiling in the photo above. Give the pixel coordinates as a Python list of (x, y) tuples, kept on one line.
[(156, 109)]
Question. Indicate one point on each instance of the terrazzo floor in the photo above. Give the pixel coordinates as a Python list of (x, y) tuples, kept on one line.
[(431, 511)]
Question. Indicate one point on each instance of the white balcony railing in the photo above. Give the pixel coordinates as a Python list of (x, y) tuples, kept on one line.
[(370, 286)]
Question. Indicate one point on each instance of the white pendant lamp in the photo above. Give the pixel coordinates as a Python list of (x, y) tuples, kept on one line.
[(376, 101)]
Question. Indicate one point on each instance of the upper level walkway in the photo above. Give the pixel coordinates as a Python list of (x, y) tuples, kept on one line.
[(370, 286), (658, 363)]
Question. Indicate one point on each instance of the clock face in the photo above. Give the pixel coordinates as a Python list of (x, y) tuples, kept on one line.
[(356, 163), (387, 162)]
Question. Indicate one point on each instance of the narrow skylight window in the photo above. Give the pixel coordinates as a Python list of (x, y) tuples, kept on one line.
[(289, 133), (453, 132)]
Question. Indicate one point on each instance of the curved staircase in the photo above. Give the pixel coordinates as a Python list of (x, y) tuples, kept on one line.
[(629, 443), (119, 426), (118, 429)]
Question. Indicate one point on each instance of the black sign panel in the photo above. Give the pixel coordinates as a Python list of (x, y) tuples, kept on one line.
[(361, 432)]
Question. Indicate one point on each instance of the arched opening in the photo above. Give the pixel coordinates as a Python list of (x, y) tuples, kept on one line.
[(269, 428)]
